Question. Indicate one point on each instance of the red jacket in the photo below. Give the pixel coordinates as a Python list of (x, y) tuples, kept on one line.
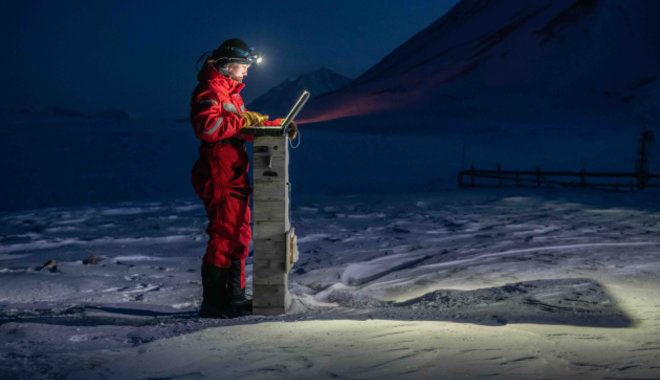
[(216, 107)]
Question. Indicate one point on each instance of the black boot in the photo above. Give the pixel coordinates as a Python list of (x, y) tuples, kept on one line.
[(237, 300), (215, 302)]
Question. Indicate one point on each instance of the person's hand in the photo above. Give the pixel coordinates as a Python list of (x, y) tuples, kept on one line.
[(254, 118), (293, 130)]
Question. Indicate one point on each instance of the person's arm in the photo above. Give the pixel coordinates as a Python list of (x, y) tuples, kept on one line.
[(213, 119), (257, 119)]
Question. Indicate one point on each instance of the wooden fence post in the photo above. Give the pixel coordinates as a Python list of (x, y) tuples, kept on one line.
[(642, 165), (546, 178)]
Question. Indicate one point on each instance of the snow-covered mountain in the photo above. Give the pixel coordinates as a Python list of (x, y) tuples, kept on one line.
[(278, 100), (514, 58), (66, 112), (114, 114)]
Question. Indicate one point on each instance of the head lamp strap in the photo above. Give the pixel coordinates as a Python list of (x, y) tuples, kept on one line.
[(240, 51), (205, 55), (248, 55)]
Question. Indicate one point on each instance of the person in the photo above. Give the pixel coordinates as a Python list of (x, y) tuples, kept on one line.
[(220, 175)]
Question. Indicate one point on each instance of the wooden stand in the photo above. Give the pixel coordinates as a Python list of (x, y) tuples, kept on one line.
[(275, 246)]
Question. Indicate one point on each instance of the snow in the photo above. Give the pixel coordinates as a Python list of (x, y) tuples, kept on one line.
[(401, 275), (518, 281), (361, 273)]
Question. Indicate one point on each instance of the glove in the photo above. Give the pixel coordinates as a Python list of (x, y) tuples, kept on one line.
[(253, 118), (293, 130)]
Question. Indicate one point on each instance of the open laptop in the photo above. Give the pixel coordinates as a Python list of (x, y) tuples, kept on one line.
[(284, 127)]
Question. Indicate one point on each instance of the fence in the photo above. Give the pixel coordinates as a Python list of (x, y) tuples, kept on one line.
[(538, 178)]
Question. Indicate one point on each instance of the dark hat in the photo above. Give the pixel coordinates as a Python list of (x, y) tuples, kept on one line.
[(234, 51)]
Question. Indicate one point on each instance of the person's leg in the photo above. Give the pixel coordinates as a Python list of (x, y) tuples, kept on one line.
[(215, 298), (229, 233), (236, 283), (226, 195), (216, 264)]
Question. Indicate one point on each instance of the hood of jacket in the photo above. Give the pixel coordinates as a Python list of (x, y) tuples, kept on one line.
[(211, 74)]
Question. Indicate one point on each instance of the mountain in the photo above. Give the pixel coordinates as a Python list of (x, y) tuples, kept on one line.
[(113, 114), (108, 113), (510, 58), (59, 111), (278, 100)]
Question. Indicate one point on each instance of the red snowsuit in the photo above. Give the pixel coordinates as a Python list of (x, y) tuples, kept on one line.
[(220, 175)]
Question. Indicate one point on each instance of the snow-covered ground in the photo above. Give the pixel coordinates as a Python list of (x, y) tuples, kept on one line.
[(400, 274), (473, 283)]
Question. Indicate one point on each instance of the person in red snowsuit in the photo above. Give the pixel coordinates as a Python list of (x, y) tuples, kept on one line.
[(220, 175)]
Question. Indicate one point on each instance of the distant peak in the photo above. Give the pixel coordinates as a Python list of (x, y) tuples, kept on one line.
[(278, 99), (322, 71)]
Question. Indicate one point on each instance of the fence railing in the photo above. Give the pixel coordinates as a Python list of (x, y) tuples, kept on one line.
[(538, 178)]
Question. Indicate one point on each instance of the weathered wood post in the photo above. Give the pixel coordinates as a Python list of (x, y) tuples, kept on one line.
[(275, 245), (642, 165)]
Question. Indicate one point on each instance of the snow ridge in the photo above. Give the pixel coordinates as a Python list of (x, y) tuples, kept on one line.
[(511, 58), (278, 100)]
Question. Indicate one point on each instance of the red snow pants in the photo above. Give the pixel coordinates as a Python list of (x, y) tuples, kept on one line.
[(220, 179)]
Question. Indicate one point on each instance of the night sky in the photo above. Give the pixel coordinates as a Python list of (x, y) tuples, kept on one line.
[(140, 55)]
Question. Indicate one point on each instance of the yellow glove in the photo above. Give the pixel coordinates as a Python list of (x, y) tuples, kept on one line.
[(254, 118)]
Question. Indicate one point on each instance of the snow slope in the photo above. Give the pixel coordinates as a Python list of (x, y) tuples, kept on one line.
[(516, 60)]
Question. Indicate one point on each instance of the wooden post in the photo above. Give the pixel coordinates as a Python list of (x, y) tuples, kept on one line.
[(642, 165), (275, 246)]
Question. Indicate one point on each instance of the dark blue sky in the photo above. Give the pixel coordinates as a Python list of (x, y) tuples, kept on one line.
[(140, 55)]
